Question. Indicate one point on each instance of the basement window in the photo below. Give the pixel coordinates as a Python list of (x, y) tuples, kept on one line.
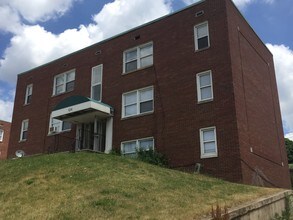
[(130, 148), (208, 142), (138, 57), (201, 36)]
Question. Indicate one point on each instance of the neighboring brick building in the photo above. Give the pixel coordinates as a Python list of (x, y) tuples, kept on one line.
[(197, 85), (4, 138)]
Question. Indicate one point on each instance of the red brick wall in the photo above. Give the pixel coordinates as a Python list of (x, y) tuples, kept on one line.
[(257, 105), (177, 116), (5, 126)]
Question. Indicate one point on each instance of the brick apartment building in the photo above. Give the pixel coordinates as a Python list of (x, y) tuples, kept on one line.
[(197, 85), (4, 138)]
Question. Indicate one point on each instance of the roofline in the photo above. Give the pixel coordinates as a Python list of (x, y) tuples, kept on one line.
[(116, 36)]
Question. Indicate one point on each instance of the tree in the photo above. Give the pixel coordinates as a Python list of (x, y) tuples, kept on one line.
[(289, 148)]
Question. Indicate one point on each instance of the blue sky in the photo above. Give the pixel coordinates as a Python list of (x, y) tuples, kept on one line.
[(35, 32)]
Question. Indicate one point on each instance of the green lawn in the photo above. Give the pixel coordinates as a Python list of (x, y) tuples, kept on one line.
[(96, 186)]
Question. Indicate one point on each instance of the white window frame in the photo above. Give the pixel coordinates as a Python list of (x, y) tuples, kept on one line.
[(23, 129), (95, 84), (200, 87), (59, 126), (64, 75), (137, 145), (1, 135), (28, 93), (202, 142), (138, 57), (138, 91), (196, 35)]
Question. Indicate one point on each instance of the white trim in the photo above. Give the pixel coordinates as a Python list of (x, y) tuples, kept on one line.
[(196, 38), (101, 83), (137, 102), (199, 87), (2, 135), (22, 129), (137, 144), (27, 93), (202, 153), (65, 81), (138, 57)]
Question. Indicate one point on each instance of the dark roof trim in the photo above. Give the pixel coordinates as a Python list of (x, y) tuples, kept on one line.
[(116, 36)]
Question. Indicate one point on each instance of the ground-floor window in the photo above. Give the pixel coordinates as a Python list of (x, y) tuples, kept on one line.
[(24, 130), (208, 142), (130, 148), (59, 126)]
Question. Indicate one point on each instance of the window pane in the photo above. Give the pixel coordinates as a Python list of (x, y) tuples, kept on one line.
[(66, 125), (130, 110), (70, 76), (209, 147), (24, 135), (130, 98), (146, 106), (28, 100), (208, 135), (206, 93), (129, 147), (25, 125), (147, 61), (59, 89), (97, 75), (146, 144), (59, 80), (146, 95), (1, 134), (131, 55), (29, 90), (205, 80), (69, 86), (131, 66), (202, 31), (203, 43), (96, 93), (147, 50)]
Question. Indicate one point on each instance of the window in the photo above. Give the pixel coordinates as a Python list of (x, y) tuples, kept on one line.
[(24, 130), (64, 82), (208, 142), (130, 148), (59, 126), (138, 57), (1, 135), (28, 94), (138, 102), (96, 92), (201, 36), (204, 86)]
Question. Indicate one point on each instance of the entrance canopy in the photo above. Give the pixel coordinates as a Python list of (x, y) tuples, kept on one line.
[(80, 109)]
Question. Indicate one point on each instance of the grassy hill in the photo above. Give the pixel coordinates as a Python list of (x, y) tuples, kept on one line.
[(96, 186)]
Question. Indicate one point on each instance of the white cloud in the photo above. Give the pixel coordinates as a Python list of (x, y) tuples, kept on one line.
[(283, 58), (33, 45), (6, 105), (289, 136)]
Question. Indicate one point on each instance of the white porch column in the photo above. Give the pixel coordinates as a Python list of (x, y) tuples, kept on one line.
[(109, 135)]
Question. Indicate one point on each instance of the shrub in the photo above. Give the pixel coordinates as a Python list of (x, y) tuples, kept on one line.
[(152, 157)]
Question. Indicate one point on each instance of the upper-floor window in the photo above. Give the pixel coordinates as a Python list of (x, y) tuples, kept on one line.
[(59, 126), (208, 142), (96, 90), (28, 94), (130, 148), (139, 57), (24, 130), (201, 36), (1, 135), (138, 102), (64, 82), (204, 86)]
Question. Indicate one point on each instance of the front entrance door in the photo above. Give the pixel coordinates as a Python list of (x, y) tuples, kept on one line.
[(93, 136)]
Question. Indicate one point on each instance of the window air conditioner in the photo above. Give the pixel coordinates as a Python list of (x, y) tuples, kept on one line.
[(53, 129)]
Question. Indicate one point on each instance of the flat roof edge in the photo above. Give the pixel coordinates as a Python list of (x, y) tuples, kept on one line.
[(115, 36)]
